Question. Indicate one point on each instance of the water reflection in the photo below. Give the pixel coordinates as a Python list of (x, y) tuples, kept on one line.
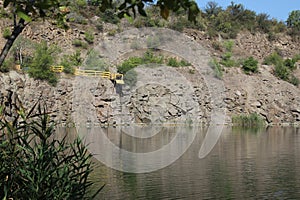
[(244, 164)]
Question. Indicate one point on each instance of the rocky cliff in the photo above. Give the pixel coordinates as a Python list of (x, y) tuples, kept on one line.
[(275, 100)]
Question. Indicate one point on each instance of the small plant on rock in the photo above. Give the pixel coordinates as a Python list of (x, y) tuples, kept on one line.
[(250, 65)]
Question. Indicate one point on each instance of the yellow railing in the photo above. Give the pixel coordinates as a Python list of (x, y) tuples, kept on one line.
[(58, 69), (80, 72)]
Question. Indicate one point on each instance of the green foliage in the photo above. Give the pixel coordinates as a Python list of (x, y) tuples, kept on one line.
[(43, 59), (273, 59), (250, 65), (228, 45), (34, 163), (131, 7), (109, 16), (6, 33), (99, 25), (251, 120), (150, 58), (76, 18), (293, 20), (7, 65), (129, 64), (289, 63), (227, 61), (212, 9), (215, 65), (282, 72), (79, 43), (216, 45), (294, 80), (89, 36), (95, 62), (70, 62), (283, 68), (173, 62), (81, 3)]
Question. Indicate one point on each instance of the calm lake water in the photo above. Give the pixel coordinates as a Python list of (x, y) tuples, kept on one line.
[(244, 164)]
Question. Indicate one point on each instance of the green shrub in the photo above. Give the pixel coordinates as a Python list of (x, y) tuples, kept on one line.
[(282, 72), (99, 25), (41, 63), (250, 65), (273, 59), (149, 57), (129, 64), (6, 33), (216, 45), (184, 63), (79, 43), (89, 37), (34, 163), (7, 65), (251, 120), (227, 61), (296, 58), (228, 45), (294, 80), (68, 69), (215, 65), (76, 18), (289, 63), (109, 16), (173, 62)]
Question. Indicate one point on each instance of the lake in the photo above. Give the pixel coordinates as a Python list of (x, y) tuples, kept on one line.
[(244, 164)]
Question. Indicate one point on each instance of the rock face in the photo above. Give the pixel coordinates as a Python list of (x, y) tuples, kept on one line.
[(275, 100), (157, 97), (29, 91)]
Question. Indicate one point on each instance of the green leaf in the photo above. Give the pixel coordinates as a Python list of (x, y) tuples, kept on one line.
[(129, 18), (24, 16)]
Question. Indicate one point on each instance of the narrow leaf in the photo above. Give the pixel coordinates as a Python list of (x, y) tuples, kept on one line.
[(24, 16)]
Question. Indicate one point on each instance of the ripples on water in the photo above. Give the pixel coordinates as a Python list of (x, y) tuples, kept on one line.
[(244, 164)]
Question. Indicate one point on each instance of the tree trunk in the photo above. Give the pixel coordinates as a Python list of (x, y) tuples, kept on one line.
[(16, 32)]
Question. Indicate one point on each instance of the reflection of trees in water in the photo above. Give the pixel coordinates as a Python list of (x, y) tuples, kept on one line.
[(245, 164), (220, 185)]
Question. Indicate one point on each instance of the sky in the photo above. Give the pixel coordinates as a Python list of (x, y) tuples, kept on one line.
[(278, 9)]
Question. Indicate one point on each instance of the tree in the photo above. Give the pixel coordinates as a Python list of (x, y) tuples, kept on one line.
[(212, 9), (23, 13), (26, 11), (293, 20), (129, 7)]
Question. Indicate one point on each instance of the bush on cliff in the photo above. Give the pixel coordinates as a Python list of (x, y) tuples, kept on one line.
[(40, 66), (250, 65)]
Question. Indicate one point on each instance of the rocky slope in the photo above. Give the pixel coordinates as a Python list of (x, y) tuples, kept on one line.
[(275, 100)]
